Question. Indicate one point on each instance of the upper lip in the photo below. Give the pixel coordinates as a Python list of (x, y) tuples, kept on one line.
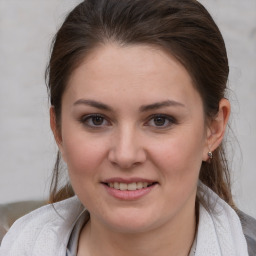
[(127, 180)]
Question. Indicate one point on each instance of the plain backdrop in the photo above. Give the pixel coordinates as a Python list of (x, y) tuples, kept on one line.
[(27, 149)]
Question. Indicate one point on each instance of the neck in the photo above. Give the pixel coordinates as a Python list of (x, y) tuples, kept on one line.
[(173, 238)]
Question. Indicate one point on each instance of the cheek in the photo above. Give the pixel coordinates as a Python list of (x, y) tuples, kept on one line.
[(84, 159), (181, 155), (83, 154)]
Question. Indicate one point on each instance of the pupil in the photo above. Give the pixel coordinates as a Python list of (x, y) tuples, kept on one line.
[(159, 121), (97, 120)]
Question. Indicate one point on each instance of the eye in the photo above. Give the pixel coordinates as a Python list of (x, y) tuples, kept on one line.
[(94, 120), (161, 121)]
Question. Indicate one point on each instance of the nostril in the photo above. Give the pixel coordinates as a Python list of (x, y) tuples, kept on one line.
[(125, 151)]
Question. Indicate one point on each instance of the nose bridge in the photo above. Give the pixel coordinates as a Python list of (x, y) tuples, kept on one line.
[(127, 149)]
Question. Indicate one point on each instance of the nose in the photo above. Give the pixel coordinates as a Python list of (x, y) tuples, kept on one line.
[(126, 149)]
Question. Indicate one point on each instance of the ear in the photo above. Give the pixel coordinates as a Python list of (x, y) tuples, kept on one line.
[(216, 128), (54, 127)]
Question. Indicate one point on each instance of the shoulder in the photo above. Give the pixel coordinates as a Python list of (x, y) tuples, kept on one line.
[(249, 229), (43, 231)]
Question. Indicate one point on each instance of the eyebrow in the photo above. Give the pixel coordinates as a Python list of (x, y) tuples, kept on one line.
[(157, 105), (143, 108), (93, 103)]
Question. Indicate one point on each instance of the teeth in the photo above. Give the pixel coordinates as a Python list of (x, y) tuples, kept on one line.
[(132, 186), (129, 186), (116, 185), (123, 186), (139, 185)]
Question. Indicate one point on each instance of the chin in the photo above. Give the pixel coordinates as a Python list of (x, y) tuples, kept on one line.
[(131, 222)]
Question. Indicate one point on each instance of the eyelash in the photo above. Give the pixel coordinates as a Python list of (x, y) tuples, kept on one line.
[(171, 121), (85, 120)]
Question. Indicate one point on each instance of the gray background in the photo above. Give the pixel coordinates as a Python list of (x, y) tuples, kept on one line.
[(27, 149)]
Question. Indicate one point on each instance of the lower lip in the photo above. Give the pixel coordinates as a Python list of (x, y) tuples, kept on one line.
[(129, 194)]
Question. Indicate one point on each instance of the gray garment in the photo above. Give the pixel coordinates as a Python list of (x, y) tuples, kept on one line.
[(249, 229), (72, 246), (248, 225)]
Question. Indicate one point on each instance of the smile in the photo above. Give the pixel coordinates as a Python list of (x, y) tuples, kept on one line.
[(129, 186), (129, 189)]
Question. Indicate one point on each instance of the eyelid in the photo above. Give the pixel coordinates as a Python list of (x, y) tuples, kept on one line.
[(106, 122), (171, 119), (84, 120)]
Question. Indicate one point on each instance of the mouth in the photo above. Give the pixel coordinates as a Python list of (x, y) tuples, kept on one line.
[(129, 189), (129, 186)]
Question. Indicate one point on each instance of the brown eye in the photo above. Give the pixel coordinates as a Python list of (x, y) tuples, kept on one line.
[(160, 121), (94, 121), (97, 120)]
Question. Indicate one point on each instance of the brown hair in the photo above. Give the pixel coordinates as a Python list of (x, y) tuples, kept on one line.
[(184, 28)]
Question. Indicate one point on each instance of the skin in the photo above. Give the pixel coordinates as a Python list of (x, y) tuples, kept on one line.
[(127, 142)]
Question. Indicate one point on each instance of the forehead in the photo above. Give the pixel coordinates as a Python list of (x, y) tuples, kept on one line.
[(134, 71)]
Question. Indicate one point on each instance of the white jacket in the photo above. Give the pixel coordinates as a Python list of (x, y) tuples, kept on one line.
[(46, 231), (43, 232)]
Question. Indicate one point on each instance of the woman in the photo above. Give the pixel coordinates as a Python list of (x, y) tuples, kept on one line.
[(138, 110)]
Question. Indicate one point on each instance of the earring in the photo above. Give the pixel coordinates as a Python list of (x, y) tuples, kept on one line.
[(210, 155)]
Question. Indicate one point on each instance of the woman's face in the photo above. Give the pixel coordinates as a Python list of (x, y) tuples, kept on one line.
[(133, 136)]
